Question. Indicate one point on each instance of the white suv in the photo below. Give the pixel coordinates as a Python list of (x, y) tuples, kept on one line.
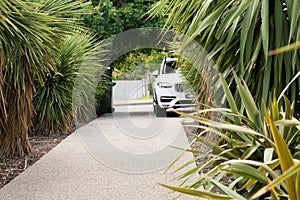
[(168, 92)]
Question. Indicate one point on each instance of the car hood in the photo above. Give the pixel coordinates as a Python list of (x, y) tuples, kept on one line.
[(170, 78)]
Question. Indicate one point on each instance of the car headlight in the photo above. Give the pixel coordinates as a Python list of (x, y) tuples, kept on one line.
[(189, 96), (164, 85)]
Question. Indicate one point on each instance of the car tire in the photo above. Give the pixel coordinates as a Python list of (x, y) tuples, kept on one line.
[(154, 108), (154, 105), (159, 111)]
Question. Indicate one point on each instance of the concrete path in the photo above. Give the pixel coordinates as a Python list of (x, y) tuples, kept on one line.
[(118, 156)]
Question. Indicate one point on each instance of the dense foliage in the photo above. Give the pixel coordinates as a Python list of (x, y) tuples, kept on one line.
[(237, 35), (112, 16), (137, 64), (31, 35)]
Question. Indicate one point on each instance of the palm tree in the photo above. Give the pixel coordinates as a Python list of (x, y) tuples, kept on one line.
[(30, 33), (238, 35)]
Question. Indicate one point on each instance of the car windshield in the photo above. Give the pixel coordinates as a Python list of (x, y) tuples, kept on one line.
[(169, 67)]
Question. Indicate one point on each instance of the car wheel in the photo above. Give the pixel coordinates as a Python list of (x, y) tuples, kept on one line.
[(154, 105), (159, 111)]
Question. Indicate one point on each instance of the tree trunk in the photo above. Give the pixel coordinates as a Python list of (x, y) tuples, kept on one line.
[(3, 116), (14, 135)]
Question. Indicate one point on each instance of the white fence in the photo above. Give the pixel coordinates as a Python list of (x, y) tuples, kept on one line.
[(128, 90)]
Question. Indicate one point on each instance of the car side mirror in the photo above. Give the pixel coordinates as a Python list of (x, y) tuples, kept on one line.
[(155, 73)]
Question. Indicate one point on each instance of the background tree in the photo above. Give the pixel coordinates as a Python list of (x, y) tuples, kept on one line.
[(113, 16), (135, 65)]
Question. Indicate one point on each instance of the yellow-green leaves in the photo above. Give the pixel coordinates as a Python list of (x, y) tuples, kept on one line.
[(292, 171), (247, 99), (230, 100), (254, 151), (286, 48), (198, 193), (284, 155)]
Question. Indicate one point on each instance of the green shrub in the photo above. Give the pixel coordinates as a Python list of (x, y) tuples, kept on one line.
[(54, 109), (255, 148)]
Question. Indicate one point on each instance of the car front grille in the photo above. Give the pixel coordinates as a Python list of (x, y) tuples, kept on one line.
[(178, 87), (166, 99), (184, 102)]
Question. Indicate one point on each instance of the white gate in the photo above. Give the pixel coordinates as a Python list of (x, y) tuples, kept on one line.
[(128, 90)]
